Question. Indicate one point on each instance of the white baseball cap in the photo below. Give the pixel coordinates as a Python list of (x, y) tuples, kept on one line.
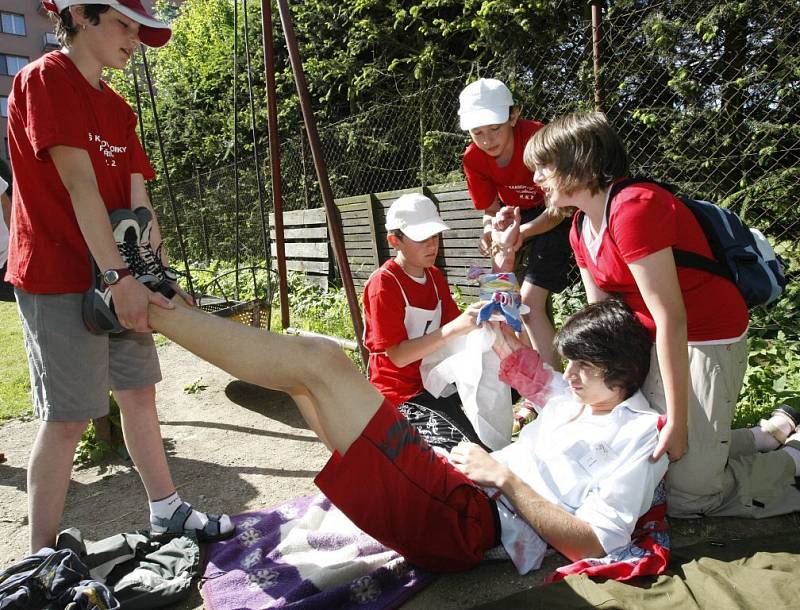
[(153, 33), (485, 102), (416, 216)]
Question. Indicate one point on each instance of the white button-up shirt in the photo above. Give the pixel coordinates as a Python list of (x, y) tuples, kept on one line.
[(595, 467)]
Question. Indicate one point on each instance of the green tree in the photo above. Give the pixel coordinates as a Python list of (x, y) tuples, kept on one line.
[(707, 92)]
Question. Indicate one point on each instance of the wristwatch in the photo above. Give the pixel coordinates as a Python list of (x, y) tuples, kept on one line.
[(113, 276)]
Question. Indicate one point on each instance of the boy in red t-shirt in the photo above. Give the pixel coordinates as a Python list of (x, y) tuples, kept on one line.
[(409, 314), (76, 158), (496, 176)]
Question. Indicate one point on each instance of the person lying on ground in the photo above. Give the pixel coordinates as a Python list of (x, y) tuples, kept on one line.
[(578, 480)]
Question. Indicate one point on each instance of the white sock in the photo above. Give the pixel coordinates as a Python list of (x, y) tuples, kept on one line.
[(197, 520), (764, 440), (166, 507)]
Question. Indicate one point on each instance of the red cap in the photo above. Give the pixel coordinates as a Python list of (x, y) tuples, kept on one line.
[(153, 33)]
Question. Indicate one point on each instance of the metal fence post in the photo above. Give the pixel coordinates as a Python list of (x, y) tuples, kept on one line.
[(275, 158), (322, 175), (203, 228), (597, 37)]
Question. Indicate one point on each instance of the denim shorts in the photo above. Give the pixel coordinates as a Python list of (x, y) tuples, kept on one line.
[(71, 369)]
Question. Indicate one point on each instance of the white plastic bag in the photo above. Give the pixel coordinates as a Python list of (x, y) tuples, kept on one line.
[(469, 365)]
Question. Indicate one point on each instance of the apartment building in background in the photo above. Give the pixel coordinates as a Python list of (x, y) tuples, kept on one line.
[(25, 34)]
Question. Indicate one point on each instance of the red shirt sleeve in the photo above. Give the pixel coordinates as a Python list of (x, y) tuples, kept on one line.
[(480, 185), (384, 310), (576, 242), (54, 116), (643, 221)]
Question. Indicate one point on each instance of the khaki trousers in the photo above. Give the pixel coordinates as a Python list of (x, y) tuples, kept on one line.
[(721, 474)]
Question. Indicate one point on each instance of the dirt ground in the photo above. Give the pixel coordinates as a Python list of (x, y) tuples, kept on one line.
[(234, 448)]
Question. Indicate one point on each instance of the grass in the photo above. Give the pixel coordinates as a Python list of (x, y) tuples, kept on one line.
[(15, 383)]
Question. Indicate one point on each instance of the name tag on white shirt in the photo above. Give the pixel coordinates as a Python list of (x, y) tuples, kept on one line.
[(597, 457)]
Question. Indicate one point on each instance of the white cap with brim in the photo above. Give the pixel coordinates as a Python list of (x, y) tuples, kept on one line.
[(487, 101), (416, 216), (153, 33)]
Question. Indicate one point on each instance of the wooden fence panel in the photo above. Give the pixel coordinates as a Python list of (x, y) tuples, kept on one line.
[(458, 250), (306, 244), (363, 220)]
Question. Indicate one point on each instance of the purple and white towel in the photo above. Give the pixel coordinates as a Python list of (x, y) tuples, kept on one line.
[(305, 554)]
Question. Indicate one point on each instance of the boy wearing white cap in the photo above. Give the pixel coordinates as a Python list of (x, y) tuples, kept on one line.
[(409, 313), (76, 158), (496, 176)]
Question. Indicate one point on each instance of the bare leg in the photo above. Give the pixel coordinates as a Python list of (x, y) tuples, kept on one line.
[(537, 323), (143, 439), (309, 409), (317, 369), (49, 471)]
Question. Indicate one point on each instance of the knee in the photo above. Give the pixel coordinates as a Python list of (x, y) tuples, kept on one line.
[(139, 397), (533, 296), (536, 312), (66, 431), (328, 358), (333, 354), (324, 365)]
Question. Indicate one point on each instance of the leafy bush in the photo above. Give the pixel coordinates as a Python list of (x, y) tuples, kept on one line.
[(318, 310), (773, 373), (218, 278), (93, 451), (567, 302)]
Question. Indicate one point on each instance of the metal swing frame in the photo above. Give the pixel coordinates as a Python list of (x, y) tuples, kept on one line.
[(333, 219)]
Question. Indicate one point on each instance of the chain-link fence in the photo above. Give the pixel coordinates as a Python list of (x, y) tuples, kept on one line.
[(706, 95)]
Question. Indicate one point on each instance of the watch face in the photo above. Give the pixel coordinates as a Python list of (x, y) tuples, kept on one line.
[(110, 277)]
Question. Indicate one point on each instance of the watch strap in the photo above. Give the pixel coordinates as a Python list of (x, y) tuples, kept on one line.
[(121, 273)]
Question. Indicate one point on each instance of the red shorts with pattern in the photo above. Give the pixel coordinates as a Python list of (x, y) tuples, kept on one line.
[(394, 487)]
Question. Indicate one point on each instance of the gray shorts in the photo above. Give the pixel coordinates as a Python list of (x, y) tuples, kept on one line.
[(71, 369)]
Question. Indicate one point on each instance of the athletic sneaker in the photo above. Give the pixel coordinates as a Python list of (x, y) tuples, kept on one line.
[(157, 277), (97, 308)]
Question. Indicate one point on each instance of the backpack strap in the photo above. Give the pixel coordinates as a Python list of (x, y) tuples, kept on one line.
[(616, 187), (693, 260), (683, 258), (621, 184)]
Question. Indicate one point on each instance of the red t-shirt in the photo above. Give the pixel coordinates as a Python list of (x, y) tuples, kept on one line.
[(384, 311), (513, 183), (51, 104), (645, 219)]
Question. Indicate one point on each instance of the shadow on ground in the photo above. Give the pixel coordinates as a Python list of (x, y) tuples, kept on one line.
[(269, 403)]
